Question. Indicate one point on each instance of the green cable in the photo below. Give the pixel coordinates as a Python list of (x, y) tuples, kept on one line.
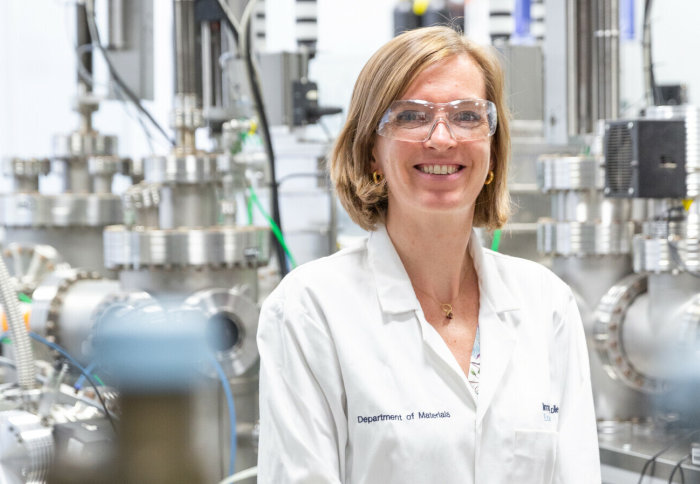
[(496, 240), (275, 229), (24, 298), (249, 207)]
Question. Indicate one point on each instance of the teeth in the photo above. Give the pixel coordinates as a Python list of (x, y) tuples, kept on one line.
[(439, 169)]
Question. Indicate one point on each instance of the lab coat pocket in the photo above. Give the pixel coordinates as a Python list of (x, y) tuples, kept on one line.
[(533, 456)]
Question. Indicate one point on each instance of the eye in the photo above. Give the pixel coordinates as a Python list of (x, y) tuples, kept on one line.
[(410, 117), (467, 117)]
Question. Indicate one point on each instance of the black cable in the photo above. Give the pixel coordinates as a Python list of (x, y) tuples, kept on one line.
[(94, 33), (648, 56), (70, 360), (74, 362), (234, 31), (108, 414), (677, 467), (254, 81), (87, 78), (652, 459)]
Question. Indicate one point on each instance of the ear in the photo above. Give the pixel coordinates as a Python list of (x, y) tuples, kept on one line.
[(373, 165)]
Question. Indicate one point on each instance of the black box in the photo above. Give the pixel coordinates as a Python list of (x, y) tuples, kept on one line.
[(645, 158)]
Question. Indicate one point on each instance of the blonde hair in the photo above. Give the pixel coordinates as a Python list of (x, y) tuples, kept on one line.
[(385, 77)]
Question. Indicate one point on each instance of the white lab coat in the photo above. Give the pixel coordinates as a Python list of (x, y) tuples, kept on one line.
[(356, 387)]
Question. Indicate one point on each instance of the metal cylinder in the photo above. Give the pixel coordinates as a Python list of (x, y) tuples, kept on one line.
[(64, 305), (582, 221), (606, 63), (584, 49), (212, 73), (77, 179), (70, 241), (193, 206), (116, 39), (612, 400), (185, 41), (655, 332), (26, 185)]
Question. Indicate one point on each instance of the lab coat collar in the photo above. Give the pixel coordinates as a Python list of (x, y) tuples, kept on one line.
[(491, 285), (394, 289), (395, 292)]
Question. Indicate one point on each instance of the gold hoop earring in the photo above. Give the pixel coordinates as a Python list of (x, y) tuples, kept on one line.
[(377, 177), (489, 178)]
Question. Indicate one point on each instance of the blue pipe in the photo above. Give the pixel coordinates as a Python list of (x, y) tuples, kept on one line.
[(627, 31), (523, 20)]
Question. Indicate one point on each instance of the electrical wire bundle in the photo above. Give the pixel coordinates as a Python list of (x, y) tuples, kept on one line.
[(242, 34), (651, 462)]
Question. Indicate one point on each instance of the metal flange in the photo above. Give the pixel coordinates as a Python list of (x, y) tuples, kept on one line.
[(666, 254), (26, 445), (185, 168), (27, 168), (62, 210), (48, 298), (221, 246), (83, 144), (556, 173), (590, 238), (107, 165), (232, 318), (608, 330)]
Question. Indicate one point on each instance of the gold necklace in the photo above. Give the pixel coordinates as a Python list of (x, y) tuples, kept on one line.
[(445, 307)]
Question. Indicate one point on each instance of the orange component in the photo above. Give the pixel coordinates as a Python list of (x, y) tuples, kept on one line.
[(25, 315)]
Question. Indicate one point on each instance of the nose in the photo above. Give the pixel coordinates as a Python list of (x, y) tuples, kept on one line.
[(440, 134)]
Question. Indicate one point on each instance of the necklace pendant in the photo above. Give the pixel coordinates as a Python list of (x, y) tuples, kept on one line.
[(447, 309)]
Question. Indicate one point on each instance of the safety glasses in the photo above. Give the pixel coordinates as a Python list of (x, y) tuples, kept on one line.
[(415, 119)]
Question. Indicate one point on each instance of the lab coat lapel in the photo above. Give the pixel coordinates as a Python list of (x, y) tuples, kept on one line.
[(394, 288), (498, 320)]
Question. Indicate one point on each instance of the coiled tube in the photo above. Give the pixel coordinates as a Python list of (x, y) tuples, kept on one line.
[(24, 357)]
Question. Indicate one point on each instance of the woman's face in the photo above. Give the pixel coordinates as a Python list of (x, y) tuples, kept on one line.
[(412, 168)]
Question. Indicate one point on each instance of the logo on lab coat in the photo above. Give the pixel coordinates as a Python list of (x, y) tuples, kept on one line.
[(548, 410)]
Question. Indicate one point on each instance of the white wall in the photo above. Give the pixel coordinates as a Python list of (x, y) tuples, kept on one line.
[(35, 80), (675, 44)]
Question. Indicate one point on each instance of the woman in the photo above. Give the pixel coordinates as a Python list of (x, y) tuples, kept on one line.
[(420, 357)]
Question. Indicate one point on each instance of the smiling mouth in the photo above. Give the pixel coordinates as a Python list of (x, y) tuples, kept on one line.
[(439, 169)]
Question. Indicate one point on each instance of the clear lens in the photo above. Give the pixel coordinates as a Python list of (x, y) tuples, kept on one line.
[(415, 120)]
